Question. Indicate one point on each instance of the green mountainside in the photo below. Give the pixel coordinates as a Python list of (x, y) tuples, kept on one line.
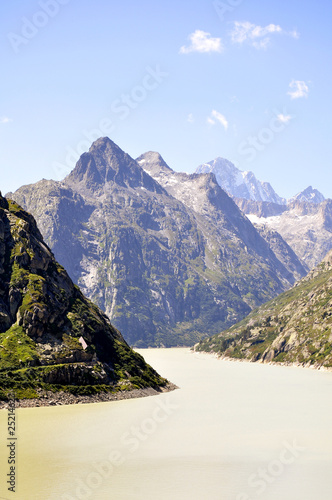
[(51, 337), (295, 327)]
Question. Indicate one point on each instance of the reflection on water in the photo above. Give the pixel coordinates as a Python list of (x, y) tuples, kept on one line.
[(233, 431)]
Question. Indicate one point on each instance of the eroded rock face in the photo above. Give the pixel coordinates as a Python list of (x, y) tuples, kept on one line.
[(169, 257), (51, 336)]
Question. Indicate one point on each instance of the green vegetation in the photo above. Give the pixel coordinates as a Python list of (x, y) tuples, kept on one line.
[(17, 349), (295, 327)]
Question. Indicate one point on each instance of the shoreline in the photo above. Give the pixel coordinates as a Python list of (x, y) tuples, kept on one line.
[(61, 398), (288, 364)]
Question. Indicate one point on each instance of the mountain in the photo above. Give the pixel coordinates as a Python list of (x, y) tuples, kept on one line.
[(168, 266), (305, 226), (202, 193), (260, 208), (52, 339), (283, 251), (309, 195), (240, 184), (293, 328)]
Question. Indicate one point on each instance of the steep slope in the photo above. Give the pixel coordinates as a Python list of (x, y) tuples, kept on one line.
[(296, 327), (306, 227), (166, 271), (240, 184), (283, 251), (51, 337)]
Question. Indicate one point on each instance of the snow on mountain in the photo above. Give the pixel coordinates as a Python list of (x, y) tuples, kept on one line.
[(238, 183), (305, 226)]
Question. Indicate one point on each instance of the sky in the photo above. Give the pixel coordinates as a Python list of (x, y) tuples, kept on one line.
[(246, 80)]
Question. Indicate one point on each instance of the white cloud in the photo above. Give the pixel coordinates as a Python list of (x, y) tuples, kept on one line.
[(202, 42), (5, 119), (284, 118), (262, 44), (299, 89), (217, 117), (191, 118), (294, 34), (257, 36)]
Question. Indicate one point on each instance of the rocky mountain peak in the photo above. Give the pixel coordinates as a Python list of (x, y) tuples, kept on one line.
[(238, 183), (153, 163), (105, 143), (105, 162), (310, 195)]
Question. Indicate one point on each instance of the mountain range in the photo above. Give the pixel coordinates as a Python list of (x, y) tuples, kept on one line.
[(169, 257), (244, 185), (306, 226), (238, 183)]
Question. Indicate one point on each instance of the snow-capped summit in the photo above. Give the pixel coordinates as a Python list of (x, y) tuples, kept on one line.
[(238, 183)]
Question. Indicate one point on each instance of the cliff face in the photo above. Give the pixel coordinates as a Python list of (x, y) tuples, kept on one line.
[(168, 266), (51, 337), (296, 327)]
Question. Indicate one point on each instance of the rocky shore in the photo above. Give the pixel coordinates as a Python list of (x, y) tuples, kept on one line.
[(48, 398)]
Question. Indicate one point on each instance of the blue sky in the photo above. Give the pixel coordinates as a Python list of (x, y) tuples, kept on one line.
[(246, 80)]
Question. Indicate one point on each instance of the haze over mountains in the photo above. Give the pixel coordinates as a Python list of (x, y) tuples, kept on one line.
[(168, 256)]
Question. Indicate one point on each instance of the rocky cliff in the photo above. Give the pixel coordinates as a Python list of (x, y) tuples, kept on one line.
[(296, 327), (51, 337)]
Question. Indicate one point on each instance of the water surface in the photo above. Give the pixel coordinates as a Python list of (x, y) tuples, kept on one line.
[(233, 431)]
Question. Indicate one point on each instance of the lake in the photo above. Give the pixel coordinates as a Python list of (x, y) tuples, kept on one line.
[(233, 431)]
